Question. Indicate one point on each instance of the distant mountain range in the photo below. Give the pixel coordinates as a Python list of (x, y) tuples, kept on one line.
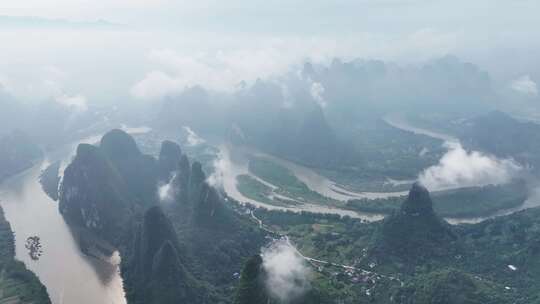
[(27, 22)]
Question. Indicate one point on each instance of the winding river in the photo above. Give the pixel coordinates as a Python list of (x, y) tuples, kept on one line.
[(69, 275), (72, 277), (233, 161)]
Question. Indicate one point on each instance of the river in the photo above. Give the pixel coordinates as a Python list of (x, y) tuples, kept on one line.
[(233, 161), (72, 277), (397, 121), (68, 274)]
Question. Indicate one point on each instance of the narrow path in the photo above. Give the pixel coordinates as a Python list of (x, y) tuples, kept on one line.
[(313, 260)]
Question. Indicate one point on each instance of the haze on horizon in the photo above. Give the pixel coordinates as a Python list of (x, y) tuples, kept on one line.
[(98, 51), (283, 152)]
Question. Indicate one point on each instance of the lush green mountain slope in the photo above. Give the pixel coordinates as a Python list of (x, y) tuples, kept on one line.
[(183, 249), (192, 247), (464, 202), (450, 286), (414, 232), (415, 257)]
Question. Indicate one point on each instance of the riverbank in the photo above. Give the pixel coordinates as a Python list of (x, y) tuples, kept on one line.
[(17, 283)]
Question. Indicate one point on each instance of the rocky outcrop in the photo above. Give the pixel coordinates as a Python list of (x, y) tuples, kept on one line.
[(104, 187), (251, 288), (182, 179), (196, 181), (50, 179), (156, 271), (111, 189), (209, 210), (118, 146), (418, 202), (169, 159), (170, 283), (93, 194), (155, 230), (139, 171), (415, 232)]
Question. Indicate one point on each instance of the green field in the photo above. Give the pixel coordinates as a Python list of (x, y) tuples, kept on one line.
[(465, 202), (286, 182)]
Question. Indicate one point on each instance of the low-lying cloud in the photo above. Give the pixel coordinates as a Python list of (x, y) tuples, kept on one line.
[(220, 167), (77, 102), (525, 85), (460, 168), (166, 192), (287, 273), (317, 91), (219, 71), (192, 138)]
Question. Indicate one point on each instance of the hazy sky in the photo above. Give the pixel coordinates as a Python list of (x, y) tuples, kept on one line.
[(221, 42), (295, 16)]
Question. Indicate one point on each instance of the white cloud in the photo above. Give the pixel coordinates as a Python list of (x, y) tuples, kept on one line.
[(166, 192), (220, 71), (77, 102), (460, 168), (182, 71), (288, 100), (44, 83), (287, 273), (156, 84), (135, 130), (525, 85), (317, 91), (247, 58), (192, 138), (221, 165)]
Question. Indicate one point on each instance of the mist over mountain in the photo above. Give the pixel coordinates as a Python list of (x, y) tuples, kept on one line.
[(25, 22), (17, 152), (269, 152)]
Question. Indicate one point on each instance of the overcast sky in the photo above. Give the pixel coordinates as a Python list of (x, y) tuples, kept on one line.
[(296, 16), (253, 38)]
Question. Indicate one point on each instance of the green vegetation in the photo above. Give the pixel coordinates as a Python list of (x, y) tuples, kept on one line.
[(385, 152), (415, 233), (496, 261), (495, 132), (286, 182), (254, 189), (276, 174), (192, 248), (465, 202), (18, 285), (452, 286), (183, 249), (480, 201), (251, 287)]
